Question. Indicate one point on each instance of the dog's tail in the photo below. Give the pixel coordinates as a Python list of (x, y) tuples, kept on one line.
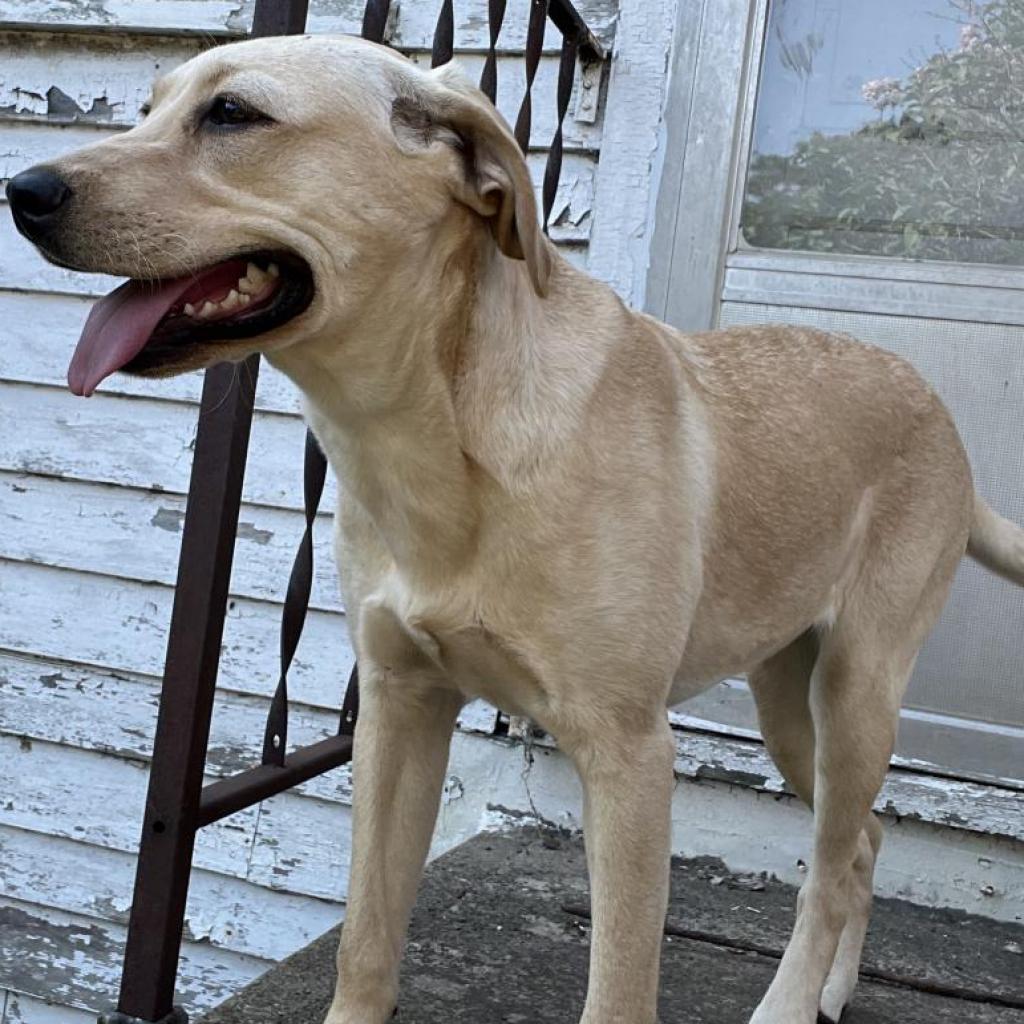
[(997, 543)]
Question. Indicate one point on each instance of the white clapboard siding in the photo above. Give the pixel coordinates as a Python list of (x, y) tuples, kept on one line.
[(139, 443), (97, 883), (107, 79), (136, 535), (19, 1008), (76, 961), (115, 713), (119, 624), (97, 799), (412, 27), (293, 843)]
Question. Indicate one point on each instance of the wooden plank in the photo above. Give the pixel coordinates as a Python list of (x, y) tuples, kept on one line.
[(303, 845), (42, 786), (100, 79), (133, 534), (227, 913), (631, 160), (139, 443), (26, 1009), (75, 961), (413, 27), (291, 843), (105, 79), (122, 626), (115, 713)]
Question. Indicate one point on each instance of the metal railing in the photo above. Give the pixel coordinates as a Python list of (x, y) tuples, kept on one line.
[(178, 804)]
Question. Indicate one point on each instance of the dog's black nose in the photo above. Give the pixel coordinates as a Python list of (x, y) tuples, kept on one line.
[(36, 195)]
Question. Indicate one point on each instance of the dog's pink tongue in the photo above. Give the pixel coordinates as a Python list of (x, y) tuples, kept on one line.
[(118, 328)]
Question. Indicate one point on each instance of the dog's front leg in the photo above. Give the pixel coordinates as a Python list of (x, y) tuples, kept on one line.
[(627, 785), (401, 752)]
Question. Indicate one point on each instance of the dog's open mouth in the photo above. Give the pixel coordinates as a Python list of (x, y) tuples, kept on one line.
[(146, 325)]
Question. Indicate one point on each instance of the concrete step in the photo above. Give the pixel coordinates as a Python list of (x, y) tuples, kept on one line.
[(501, 933)]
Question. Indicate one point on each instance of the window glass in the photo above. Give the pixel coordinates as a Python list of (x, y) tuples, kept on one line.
[(890, 128)]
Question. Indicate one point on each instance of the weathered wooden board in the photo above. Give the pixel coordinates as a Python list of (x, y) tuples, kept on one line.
[(25, 1009), (412, 28), (76, 961), (302, 845), (139, 443), (292, 843), (231, 914), (123, 532), (959, 805), (122, 626), (115, 713), (42, 790), (105, 79)]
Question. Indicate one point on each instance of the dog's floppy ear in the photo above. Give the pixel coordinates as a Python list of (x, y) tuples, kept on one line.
[(495, 182)]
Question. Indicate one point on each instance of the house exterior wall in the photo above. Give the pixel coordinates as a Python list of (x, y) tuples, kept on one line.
[(91, 507)]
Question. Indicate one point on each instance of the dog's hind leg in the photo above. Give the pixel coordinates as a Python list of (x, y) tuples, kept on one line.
[(401, 752), (781, 688), (854, 702), (628, 778), (856, 686)]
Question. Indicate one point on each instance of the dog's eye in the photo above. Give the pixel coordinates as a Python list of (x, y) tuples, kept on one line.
[(231, 112)]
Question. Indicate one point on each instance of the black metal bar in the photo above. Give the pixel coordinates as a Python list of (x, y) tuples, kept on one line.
[(186, 706), (375, 20), (534, 49), (489, 75), (443, 48), (266, 780), (570, 23), (350, 707), (296, 602), (553, 168), (279, 17)]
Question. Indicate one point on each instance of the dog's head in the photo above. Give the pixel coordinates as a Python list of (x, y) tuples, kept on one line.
[(271, 186)]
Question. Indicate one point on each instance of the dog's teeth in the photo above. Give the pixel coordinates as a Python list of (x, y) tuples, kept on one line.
[(244, 300), (273, 271), (231, 302), (207, 311), (190, 310), (253, 281)]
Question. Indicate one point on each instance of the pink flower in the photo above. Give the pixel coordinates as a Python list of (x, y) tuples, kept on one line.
[(882, 92), (970, 36)]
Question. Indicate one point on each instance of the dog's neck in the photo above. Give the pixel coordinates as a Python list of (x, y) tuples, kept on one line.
[(447, 383)]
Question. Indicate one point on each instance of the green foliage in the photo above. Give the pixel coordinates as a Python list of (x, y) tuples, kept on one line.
[(938, 178)]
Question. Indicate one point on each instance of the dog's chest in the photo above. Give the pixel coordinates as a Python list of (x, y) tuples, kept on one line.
[(465, 653)]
